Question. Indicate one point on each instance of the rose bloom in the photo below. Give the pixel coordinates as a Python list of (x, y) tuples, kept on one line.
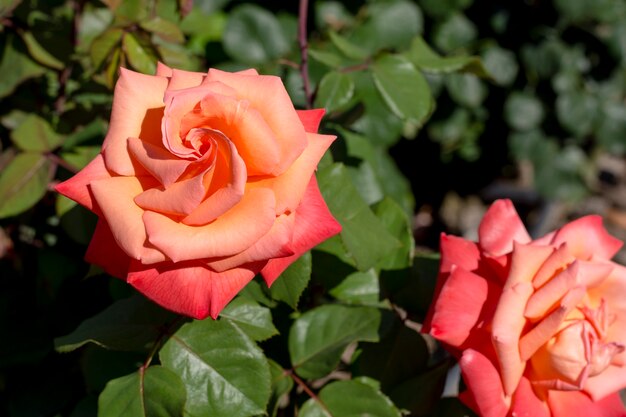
[(204, 180), (538, 326)]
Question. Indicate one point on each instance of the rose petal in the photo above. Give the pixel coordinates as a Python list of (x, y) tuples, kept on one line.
[(234, 232), (189, 288), (289, 187), (458, 306), (115, 198), (77, 187), (104, 251), (181, 79), (526, 260), (268, 96), (483, 385), (586, 237), (179, 199), (557, 262), (137, 112), (163, 70), (311, 119), (314, 223), (159, 162), (508, 322), (577, 404), (526, 403), (500, 227), (275, 244)]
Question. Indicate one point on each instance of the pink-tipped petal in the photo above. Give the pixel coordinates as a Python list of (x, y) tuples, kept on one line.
[(268, 96), (587, 237), (137, 112), (163, 70), (314, 223), (189, 288), (577, 404), (234, 232), (289, 187), (311, 119), (104, 251), (458, 306), (77, 187), (500, 227), (483, 384), (526, 403), (115, 197)]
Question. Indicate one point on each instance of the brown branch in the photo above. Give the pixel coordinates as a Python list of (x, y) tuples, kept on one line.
[(304, 56), (305, 388)]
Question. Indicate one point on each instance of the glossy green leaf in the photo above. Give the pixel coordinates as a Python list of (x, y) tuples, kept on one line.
[(137, 55), (16, 67), (104, 44), (346, 47), (254, 319), (253, 35), (225, 373), (318, 337), (153, 392), (293, 281), (398, 224), (23, 182), (391, 25), (335, 91), (35, 134), (130, 324), (364, 236), (403, 87), (329, 59), (165, 29), (93, 22), (282, 384), (426, 59), (358, 288), (80, 156), (350, 399), (39, 53), (523, 111)]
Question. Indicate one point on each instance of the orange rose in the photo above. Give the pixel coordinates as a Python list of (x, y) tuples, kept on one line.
[(204, 180), (539, 326)]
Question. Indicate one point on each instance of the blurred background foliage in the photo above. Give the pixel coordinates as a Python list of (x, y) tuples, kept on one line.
[(440, 106)]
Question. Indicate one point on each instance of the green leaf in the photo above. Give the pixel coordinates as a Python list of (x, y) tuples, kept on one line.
[(391, 25), (332, 15), (35, 134), (39, 53), (398, 224), (23, 182), (293, 281), (254, 319), (466, 89), (501, 65), (329, 59), (335, 91), (137, 55), (611, 129), (130, 324), (155, 392), (577, 112), (426, 59), (523, 111), (318, 337), (358, 288), (282, 384), (348, 48), (15, 67), (454, 33), (254, 36), (165, 29), (420, 393), (225, 373), (403, 87), (350, 399), (102, 46), (364, 236)]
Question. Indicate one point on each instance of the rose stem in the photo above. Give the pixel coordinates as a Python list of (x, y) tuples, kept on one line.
[(306, 389), (304, 60)]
